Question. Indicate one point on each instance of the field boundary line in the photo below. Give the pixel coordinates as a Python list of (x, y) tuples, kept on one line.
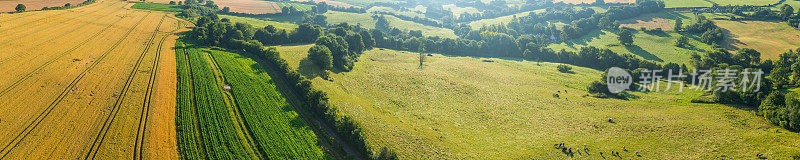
[(17, 139), (113, 115)]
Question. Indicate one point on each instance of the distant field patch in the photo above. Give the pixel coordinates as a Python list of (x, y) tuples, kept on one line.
[(686, 3), (746, 2), (365, 3), (592, 1), (330, 2), (8, 6), (298, 6), (258, 23), (366, 21), (500, 20), (652, 23), (769, 38), (242, 6), (157, 7), (457, 11)]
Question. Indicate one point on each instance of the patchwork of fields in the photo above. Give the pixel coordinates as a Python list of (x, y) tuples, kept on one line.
[(101, 87), (464, 108), (367, 21), (242, 6)]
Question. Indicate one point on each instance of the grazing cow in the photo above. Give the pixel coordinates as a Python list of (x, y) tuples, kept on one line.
[(610, 120)]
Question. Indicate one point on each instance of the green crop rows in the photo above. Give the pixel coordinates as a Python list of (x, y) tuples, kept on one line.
[(276, 129)]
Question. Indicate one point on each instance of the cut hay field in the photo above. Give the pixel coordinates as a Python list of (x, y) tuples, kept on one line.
[(770, 38), (101, 87), (664, 20), (656, 47), (366, 21), (463, 108), (8, 6), (253, 120)]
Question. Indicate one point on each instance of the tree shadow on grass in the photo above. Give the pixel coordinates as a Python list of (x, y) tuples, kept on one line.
[(584, 40), (643, 53)]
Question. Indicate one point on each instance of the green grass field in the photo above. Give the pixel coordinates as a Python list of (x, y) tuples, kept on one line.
[(258, 23), (457, 11), (299, 6), (686, 3), (157, 7), (463, 108), (499, 20), (365, 3), (367, 21), (656, 47), (252, 120), (746, 2)]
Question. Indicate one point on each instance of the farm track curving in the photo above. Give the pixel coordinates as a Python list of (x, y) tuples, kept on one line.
[(58, 56), (148, 95), (98, 141), (17, 139)]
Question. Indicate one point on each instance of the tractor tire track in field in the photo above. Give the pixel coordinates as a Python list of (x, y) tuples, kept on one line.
[(238, 117), (148, 96), (19, 37), (58, 56), (8, 59), (17, 139), (98, 141)]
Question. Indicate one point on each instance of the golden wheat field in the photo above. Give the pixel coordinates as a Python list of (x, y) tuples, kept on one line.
[(95, 82)]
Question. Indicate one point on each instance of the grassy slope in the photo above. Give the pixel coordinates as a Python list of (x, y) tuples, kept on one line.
[(460, 107), (500, 20), (258, 23), (657, 47), (365, 3), (157, 7), (366, 21)]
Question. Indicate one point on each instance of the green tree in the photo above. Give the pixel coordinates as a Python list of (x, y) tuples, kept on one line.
[(678, 25), (20, 8), (786, 11), (321, 56), (625, 37), (682, 42)]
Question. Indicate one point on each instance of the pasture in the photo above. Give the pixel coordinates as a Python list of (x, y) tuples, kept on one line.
[(258, 23), (747, 2), (592, 1), (650, 46), (366, 21), (330, 2), (463, 108), (100, 87), (686, 3), (157, 7), (500, 20), (298, 6), (769, 38), (241, 6)]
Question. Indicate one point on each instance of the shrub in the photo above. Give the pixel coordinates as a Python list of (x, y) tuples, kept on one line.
[(563, 68)]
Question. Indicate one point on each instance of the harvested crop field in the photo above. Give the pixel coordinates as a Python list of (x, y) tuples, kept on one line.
[(8, 6), (769, 38), (102, 87), (243, 6), (592, 1)]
